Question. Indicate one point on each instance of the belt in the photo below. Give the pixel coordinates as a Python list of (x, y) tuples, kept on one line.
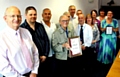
[(26, 74)]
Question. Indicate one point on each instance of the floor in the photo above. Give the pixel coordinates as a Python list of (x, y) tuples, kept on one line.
[(101, 70)]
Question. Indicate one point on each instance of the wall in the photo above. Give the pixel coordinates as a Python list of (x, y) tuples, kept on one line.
[(104, 2), (57, 7)]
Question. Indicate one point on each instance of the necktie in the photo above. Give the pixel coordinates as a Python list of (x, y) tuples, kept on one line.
[(25, 51), (81, 35)]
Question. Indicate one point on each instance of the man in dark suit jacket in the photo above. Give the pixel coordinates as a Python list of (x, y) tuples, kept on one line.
[(39, 35)]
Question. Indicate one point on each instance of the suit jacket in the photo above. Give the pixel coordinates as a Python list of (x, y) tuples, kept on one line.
[(58, 38), (39, 37)]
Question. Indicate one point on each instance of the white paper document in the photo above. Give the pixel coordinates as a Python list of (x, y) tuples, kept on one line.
[(75, 46), (108, 30)]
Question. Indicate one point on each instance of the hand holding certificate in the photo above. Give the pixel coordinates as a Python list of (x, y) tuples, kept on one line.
[(75, 45), (109, 30)]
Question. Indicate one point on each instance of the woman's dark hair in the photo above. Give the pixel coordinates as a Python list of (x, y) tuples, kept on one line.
[(110, 10), (93, 11), (101, 9)]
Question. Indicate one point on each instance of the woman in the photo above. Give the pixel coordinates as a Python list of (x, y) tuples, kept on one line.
[(95, 41), (108, 41), (107, 48), (96, 33), (101, 15), (94, 16)]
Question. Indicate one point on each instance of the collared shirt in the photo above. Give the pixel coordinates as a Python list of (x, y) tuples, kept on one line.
[(74, 20), (49, 31), (40, 37), (13, 62), (87, 33)]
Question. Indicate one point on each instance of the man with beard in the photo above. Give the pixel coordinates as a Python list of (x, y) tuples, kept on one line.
[(38, 33)]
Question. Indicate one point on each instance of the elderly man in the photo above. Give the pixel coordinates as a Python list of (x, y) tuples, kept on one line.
[(18, 53), (86, 36)]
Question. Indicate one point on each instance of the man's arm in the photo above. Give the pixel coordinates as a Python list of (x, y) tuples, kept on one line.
[(6, 68), (46, 41), (35, 56), (36, 59)]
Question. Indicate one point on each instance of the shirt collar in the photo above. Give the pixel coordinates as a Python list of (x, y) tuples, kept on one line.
[(43, 23), (12, 31), (74, 17), (82, 25), (62, 30)]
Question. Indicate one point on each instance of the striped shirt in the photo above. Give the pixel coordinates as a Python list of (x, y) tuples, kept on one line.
[(40, 37)]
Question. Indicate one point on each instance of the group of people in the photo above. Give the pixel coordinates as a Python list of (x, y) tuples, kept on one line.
[(41, 49)]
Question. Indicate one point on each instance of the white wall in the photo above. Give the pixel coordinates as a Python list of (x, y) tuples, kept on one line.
[(57, 7)]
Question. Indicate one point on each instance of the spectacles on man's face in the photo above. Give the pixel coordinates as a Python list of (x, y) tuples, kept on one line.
[(13, 16), (65, 21)]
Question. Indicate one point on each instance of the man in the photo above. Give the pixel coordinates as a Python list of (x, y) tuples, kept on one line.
[(38, 33), (73, 17), (85, 32), (78, 12), (17, 48), (50, 27), (60, 46), (68, 15)]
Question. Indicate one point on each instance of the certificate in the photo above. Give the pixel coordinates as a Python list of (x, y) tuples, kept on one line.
[(75, 45), (109, 30)]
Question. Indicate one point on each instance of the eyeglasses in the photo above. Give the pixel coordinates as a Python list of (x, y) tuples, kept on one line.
[(65, 20), (13, 16), (72, 9)]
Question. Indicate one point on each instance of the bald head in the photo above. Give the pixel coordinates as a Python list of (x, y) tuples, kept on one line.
[(81, 15), (46, 9), (13, 17), (81, 19), (11, 8)]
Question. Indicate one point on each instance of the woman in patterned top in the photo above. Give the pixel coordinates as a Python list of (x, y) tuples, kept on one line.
[(107, 48)]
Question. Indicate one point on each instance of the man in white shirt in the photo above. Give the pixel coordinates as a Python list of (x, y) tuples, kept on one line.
[(86, 41), (16, 46), (73, 16), (50, 27)]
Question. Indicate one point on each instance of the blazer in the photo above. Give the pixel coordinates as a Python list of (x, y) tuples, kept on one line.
[(39, 37), (59, 37)]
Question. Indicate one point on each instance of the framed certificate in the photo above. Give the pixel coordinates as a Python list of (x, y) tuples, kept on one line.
[(75, 45), (109, 30)]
